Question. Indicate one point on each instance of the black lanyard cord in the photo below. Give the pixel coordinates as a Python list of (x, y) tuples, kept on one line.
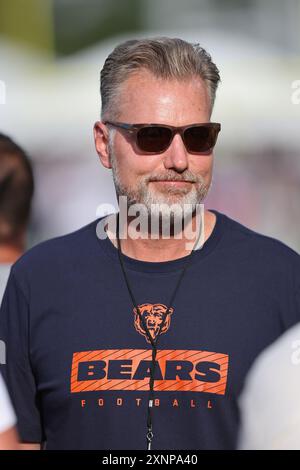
[(153, 342)]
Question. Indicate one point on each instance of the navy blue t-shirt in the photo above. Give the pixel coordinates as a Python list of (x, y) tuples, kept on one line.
[(78, 358)]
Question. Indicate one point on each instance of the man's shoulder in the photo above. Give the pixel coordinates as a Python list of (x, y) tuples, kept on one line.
[(58, 249), (258, 243)]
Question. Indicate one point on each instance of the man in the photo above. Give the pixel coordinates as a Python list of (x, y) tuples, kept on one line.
[(271, 414), (92, 375)]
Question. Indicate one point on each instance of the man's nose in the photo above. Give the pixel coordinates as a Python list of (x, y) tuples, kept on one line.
[(176, 155)]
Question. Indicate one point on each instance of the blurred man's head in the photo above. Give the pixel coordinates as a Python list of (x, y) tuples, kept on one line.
[(156, 81), (16, 191)]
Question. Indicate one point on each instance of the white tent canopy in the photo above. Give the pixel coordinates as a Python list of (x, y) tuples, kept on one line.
[(51, 106)]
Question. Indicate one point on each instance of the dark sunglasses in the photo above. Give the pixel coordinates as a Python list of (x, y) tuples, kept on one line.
[(156, 138)]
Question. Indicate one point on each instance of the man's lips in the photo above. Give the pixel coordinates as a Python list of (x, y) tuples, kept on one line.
[(173, 183)]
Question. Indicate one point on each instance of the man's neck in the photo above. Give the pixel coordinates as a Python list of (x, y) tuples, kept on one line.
[(161, 249)]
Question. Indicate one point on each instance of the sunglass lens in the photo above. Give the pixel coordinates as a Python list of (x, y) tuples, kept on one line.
[(153, 138), (200, 138)]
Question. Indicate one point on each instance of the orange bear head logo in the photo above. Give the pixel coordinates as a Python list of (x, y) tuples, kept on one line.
[(153, 316)]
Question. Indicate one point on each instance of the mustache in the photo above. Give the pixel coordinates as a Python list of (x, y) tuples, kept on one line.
[(187, 176)]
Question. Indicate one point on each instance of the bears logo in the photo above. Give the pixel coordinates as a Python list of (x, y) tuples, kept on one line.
[(153, 316)]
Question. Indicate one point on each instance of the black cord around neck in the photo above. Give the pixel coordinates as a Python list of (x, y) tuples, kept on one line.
[(153, 342)]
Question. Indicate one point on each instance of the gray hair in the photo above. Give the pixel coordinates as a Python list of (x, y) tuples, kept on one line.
[(166, 58)]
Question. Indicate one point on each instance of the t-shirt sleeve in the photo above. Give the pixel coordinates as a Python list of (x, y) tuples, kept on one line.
[(295, 292), (289, 297), (17, 370)]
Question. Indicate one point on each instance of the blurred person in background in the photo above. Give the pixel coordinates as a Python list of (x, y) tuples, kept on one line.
[(270, 401), (16, 191), (82, 313), (8, 433)]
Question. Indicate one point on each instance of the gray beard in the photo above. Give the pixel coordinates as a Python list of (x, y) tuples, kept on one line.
[(155, 202)]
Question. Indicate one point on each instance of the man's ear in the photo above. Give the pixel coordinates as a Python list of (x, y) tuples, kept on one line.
[(101, 143)]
